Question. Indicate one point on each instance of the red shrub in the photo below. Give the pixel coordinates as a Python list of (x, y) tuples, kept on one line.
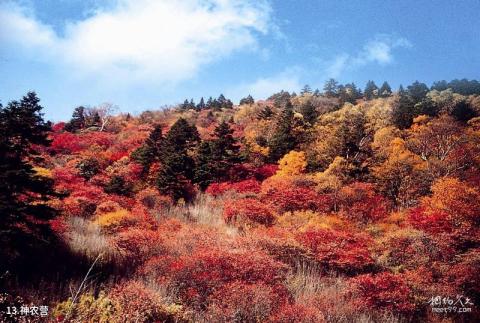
[(58, 127), (339, 250), (136, 245), (297, 313), (243, 302), (198, 275), (432, 222), (265, 171), (102, 139), (384, 291), (360, 201), (296, 199), (249, 210), (134, 302), (246, 171), (246, 186), (58, 225), (66, 143)]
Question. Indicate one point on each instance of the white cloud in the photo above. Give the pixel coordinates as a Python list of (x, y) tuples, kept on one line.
[(167, 41), (262, 88), (378, 50)]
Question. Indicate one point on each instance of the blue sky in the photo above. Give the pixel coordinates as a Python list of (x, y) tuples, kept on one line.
[(143, 54)]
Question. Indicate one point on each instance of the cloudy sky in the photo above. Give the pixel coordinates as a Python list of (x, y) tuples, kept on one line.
[(143, 54)]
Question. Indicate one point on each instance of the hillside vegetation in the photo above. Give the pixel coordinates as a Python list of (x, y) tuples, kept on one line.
[(340, 206)]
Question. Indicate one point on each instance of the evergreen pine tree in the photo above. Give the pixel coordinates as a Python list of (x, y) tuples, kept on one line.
[(385, 90), (283, 140), (149, 152), (439, 85), (185, 105), (209, 103), (77, 121), (330, 89), (178, 165), (23, 193), (417, 91), (203, 171), (266, 113), (309, 113), (403, 110), (217, 156), (371, 90), (306, 90), (248, 100), (201, 104)]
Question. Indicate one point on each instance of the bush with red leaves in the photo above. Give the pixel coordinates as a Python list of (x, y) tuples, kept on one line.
[(297, 313), (58, 127), (299, 198), (247, 210), (136, 245), (102, 139), (431, 222), (135, 302), (195, 277), (246, 186), (244, 302), (65, 143), (359, 201), (339, 250), (384, 291), (241, 172)]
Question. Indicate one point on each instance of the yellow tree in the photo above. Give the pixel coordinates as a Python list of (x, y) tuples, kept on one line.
[(401, 176), (293, 163)]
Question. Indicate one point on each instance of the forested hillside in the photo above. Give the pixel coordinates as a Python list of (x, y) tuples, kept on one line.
[(337, 205)]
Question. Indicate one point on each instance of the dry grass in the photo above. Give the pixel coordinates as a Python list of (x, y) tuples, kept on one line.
[(205, 210), (331, 295), (85, 238)]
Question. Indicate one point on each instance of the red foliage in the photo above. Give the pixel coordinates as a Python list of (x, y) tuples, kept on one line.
[(296, 199), (153, 200), (384, 291), (137, 303), (339, 250), (360, 201), (265, 171), (297, 313), (431, 222), (58, 127), (102, 139), (198, 275), (245, 171), (137, 245), (65, 143), (58, 225), (243, 302), (246, 186), (249, 210), (116, 155)]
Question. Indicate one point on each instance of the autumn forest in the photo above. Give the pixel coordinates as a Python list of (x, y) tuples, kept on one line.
[(343, 204)]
